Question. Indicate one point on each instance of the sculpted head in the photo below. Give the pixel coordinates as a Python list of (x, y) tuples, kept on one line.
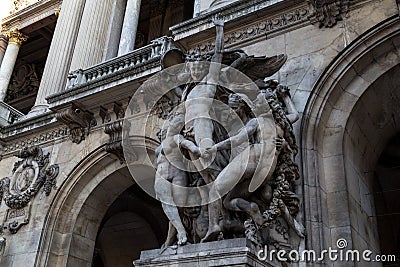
[(261, 105), (176, 118), (196, 66)]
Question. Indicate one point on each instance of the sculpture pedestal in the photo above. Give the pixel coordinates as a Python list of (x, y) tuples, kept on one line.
[(232, 252)]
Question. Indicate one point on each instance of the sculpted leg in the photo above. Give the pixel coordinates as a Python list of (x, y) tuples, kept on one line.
[(163, 190), (171, 237), (240, 204)]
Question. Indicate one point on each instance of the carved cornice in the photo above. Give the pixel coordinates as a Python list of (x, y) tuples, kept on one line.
[(41, 138), (328, 12), (31, 14), (16, 37), (263, 29), (78, 120)]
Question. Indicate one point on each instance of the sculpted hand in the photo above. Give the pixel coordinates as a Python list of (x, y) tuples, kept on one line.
[(280, 143), (282, 91), (196, 152), (218, 20)]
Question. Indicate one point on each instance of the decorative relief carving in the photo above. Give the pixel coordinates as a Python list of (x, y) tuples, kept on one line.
[(35, 140), (25, 81), (30, 175), (259, 29), (78, 120), (16, 218), (328, 12), (16, 37)]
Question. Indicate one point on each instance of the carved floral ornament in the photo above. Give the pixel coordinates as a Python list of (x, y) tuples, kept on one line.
[(16, 37), (329, 12), (29, 176)]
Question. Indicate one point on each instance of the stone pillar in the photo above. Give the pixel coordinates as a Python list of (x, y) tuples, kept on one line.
[(15, 40), (92, 34), (3, 46), (129, 28), (114, 29), (61, 49)]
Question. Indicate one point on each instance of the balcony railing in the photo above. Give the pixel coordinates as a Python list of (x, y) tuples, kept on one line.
[(136, 60), (8, 114)]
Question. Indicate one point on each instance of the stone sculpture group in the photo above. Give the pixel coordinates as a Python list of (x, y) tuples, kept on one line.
[(232, 144)]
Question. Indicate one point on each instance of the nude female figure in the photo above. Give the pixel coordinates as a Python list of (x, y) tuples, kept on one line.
[(256, 161), (253, 167)]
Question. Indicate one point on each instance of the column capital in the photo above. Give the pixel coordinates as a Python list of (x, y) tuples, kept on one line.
[(16, 37)]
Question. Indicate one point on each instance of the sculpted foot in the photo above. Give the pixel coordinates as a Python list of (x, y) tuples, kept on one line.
[(182, 238), (212, 234)]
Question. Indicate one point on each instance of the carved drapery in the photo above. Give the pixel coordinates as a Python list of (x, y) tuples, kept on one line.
[(29, 175), (328, 12)]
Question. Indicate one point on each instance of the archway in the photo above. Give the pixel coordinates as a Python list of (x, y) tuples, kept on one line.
[(77, 211), (386, 190), (133, 223), (338, 159)]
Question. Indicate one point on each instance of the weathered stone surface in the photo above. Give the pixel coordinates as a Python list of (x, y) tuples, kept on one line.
[(237, 252)]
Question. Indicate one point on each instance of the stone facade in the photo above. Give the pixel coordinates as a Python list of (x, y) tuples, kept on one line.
[(342, 71)]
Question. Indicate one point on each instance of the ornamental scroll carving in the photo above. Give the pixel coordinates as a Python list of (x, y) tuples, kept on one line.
[(78, 120), (114, 131), (29, 175), (328, 12)]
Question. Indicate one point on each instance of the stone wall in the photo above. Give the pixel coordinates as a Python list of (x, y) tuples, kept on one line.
[(60, 222)]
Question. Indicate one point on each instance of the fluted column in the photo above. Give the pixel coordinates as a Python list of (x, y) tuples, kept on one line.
[(15, 40), (3, 46), (114, 29), (92, 34), (61, 49), (129, 28)]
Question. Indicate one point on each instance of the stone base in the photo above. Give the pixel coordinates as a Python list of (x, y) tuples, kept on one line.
[(233, 252)]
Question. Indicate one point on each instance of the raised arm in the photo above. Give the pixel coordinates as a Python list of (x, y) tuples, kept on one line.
[(189, 145), (219, 48)]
